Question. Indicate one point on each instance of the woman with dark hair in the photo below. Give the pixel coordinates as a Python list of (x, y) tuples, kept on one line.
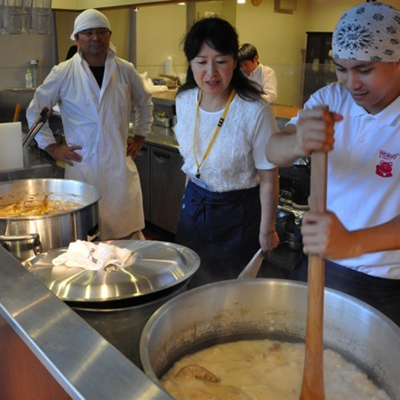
[(223, 127)]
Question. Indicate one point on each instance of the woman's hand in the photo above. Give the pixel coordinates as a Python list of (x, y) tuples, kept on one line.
[(64, 153), (325, 236), (268, 241)]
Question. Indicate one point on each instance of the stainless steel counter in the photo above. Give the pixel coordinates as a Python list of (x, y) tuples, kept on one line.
[(37, 164), (81, 360)]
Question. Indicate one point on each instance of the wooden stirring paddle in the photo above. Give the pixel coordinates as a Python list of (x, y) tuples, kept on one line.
[(313, 375)]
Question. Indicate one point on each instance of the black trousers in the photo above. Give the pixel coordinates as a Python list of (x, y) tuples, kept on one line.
[(222, 228), (381, 293)]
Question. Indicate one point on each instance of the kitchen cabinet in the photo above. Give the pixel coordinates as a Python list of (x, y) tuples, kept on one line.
[(142, 162), (163, 185)]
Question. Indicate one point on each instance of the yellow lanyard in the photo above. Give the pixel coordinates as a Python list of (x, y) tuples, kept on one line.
[(220, 122)]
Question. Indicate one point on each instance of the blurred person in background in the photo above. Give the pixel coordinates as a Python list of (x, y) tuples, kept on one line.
[(261, 74)]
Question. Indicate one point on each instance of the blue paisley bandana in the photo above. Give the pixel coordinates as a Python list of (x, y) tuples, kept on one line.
[(368, 32)]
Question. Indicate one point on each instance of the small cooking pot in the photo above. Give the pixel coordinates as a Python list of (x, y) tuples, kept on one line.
[(274, 309), (25, 237)]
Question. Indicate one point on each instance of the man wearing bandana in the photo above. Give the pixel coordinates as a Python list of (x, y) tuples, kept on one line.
[(358, 121)]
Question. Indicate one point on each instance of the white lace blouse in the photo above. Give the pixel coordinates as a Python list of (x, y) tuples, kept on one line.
[(239, 149)]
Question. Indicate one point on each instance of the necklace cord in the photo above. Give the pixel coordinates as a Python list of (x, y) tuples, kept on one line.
[(217, 129)]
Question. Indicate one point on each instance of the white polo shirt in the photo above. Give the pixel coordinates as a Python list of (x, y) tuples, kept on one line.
[(363, 172), (266, 78)]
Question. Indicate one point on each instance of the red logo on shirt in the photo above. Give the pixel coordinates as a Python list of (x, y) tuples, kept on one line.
[(384, 169), (386, 163)]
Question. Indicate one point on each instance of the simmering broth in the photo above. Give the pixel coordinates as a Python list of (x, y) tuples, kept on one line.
[(260, 370), (35, 207)]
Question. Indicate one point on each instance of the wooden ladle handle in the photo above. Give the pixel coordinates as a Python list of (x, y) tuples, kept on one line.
[(313, 375)]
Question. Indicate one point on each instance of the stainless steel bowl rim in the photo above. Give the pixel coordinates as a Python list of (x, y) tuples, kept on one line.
[(44, 180)]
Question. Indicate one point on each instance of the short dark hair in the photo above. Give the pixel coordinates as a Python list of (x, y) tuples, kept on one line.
[(221, 36), (247, 52)]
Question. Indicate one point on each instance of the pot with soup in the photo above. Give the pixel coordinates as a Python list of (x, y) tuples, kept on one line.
[(37, 215), (245, 340)]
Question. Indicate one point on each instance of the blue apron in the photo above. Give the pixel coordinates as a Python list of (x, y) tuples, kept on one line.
[(222, 228), (381, 293)]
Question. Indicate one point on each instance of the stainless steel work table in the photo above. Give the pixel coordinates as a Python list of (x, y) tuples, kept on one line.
[(81, 360)]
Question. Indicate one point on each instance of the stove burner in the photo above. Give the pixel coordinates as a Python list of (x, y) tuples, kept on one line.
[(294, 181)]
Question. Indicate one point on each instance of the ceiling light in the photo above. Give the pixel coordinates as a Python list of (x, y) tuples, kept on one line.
[(241, 1)]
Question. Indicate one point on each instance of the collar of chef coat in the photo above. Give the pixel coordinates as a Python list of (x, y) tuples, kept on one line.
[(109, 67), (387, 116), (256, 70)]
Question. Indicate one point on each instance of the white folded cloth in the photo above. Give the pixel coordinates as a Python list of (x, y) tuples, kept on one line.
[(150, 86), (92, 256)]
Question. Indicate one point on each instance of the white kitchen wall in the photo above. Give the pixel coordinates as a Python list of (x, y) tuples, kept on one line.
[(280, 40), (16, 51), (65, 26), (160, 31), (325, 13), (84, 4), (279, 37)]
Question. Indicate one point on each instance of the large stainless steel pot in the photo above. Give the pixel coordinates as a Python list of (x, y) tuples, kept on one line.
[(275, 309), (25, 237)]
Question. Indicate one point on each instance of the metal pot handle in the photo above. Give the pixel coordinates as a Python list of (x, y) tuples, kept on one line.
[(251, 269), (37, 249)]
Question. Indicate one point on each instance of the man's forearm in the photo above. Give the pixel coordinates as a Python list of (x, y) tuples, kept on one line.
[(383, 237), (281, 147), (269, 193)]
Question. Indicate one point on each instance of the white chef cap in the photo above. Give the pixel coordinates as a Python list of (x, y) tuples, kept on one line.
[(368, 32), (89, 19)]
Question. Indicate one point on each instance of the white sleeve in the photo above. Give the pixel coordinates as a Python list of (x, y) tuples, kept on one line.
[(269, 85), (46, 95), (316, 99), (264, 128), (141, 99)]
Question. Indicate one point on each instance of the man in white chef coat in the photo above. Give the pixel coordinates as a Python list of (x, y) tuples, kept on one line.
[(361, 131), (255, 71), (95, 91)]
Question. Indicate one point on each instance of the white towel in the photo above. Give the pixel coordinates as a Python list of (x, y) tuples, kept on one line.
[(150, 86), (92, 256)]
